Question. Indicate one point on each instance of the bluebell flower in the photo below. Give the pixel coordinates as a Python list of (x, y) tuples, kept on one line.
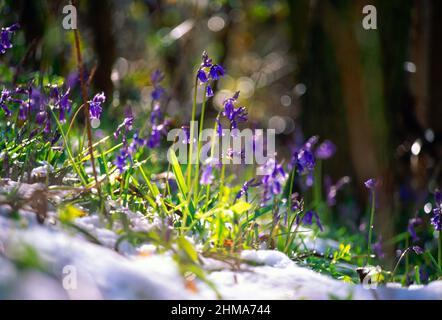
[(156, 115), (23, 111), (5, 97), (207, 176), (371, 184), (41, 117), (332, 190), (219, 127), (64, 104), (158, 91), (216, 71), (208, 70), (121, 160), (126, 125), (202, 76), (412, 224), (307, 219), (436, 219), (273, 179), (155, 137), (303, 158), (297, 203), (209, 92), (95, 105), (325, 150), (418, 250), (245, 187), (234, 115), (5, 37)]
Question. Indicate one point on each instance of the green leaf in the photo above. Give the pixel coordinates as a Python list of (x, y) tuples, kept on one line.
[(178, 173), (188, 248)]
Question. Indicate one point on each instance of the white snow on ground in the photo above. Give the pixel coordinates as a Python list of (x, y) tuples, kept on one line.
[(140, 273)]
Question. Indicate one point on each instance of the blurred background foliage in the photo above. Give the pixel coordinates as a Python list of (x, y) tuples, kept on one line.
[(303, 67)]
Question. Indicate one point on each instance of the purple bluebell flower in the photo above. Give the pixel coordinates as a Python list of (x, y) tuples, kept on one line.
[(418, 250), (156, 115), (436, 219), (219, 127), (186, 132), (121, 160), (371, 184), (303, 158), (126, 125), (209, 92), (64, 104), (5, 37), (5, 97), (297, 202), (36, 99), (307, 219), (136, 143), (325, 150), (95, 105), (207, 176), (245, 187), (209, 71), (202, 76), (273, 178), (23, 111), (332, 190), (216, 71), (234, 115), (155, 137), (158, 91), (412, 224), (41, 117)]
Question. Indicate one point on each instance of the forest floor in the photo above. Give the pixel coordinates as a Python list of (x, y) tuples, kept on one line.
[(50, 261)]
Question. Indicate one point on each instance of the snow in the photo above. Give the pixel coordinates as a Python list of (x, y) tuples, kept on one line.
[(142, 273)]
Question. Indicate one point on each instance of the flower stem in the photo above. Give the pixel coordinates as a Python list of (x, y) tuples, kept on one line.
[(370, 230), (201, 127), (191, 139), (439, 255)]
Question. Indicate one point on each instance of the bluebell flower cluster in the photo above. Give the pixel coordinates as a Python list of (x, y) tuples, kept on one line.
[(307, 219), (127, 151), (158, 125), (273, 179), (436, 219), (33, 105), (95, 106), (209, 71), (5, 37)]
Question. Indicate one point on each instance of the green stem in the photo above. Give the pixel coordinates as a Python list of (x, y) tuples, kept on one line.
[(68, 149), (370, 230), (212, 148), (289, 208), (203, 110), (439, 255), (192, 133)]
